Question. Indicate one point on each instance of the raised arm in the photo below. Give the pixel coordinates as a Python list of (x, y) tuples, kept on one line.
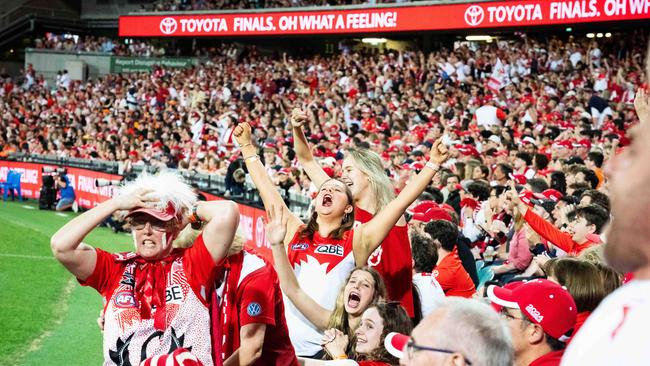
[(369, 236), (76, 257), (222, 219), (268, 191), (542, 227), (276, 230), (300, 144)]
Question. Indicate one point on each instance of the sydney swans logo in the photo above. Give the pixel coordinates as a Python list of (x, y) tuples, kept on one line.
[(168, 25), (474, 15)]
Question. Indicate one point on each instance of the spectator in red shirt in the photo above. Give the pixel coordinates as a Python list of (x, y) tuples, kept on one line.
[(449, 272), (589, 219), (248, 323)]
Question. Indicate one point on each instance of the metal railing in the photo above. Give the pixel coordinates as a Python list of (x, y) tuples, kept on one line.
[(209, 183)]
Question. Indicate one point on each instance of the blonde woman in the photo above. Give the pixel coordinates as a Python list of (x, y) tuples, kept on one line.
[(326, 249), (363, 173)]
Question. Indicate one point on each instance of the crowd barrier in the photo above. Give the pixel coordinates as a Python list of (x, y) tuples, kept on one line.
[(88, 195)]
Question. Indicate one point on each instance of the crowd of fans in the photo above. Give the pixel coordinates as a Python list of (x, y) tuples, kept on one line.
[(501, 146), (189, 5), (106, 45)]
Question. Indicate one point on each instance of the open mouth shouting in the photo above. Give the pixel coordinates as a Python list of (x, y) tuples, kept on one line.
[(354, 299), (327, 200)]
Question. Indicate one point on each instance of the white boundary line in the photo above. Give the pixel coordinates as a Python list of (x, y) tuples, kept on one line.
[(25, 256)]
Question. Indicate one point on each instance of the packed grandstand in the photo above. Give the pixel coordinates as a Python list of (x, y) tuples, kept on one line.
[(461, 168)]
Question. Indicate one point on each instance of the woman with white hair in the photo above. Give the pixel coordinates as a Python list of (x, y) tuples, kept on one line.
[(155, 297)]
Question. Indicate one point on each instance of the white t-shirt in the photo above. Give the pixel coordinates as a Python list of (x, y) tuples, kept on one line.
[(430, 292), (615, 333)]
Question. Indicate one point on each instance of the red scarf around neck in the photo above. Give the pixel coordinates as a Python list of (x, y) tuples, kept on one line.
[(150, 285)]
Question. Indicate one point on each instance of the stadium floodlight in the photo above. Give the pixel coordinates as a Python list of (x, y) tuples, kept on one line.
[(608, 34), (373, 41), (479, 38), (599, 35), (590, 35)]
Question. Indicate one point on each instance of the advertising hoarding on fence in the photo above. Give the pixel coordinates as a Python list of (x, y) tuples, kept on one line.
[(251, 224), (470, 15), (145, 64)]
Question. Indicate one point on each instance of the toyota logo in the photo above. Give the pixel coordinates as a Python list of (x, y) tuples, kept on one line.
[(474, 15), (168, 25)]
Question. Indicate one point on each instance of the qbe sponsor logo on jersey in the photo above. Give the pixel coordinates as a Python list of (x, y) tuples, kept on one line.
[(330, 249), (125, 299), (174, 294)]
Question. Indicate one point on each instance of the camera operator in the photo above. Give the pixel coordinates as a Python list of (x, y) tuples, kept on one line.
[(66, 192)]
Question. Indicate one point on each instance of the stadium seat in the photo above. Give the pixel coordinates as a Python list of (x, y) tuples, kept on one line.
[(12, 183)]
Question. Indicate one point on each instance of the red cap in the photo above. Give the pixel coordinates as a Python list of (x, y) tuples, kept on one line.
[(525, 197), (586, 143), (467, 150), (329, 171), (518, 178), (416, 166), (543, 302), (286, 171), (133, 153), (424, 206), (157, 144), (563, 143), (162, 215), (550, 194), (395, 343), (434, 213)]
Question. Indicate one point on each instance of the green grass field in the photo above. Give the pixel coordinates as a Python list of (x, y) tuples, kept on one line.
[(47, 317)]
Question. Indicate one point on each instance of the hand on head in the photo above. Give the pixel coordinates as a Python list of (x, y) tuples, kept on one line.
[(139, 198)]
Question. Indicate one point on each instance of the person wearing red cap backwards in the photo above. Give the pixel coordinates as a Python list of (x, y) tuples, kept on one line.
[(327, 248), (589, 220), (459, 332), (154, 298), (540, 315), (372, 190)]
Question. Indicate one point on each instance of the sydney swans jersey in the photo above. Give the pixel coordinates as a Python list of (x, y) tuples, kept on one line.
[(129, 339), (393, 261), (321, 266)]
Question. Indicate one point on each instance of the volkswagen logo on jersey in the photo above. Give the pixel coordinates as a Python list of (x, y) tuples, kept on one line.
[(253, 309), (300, 246), (331, 249)]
